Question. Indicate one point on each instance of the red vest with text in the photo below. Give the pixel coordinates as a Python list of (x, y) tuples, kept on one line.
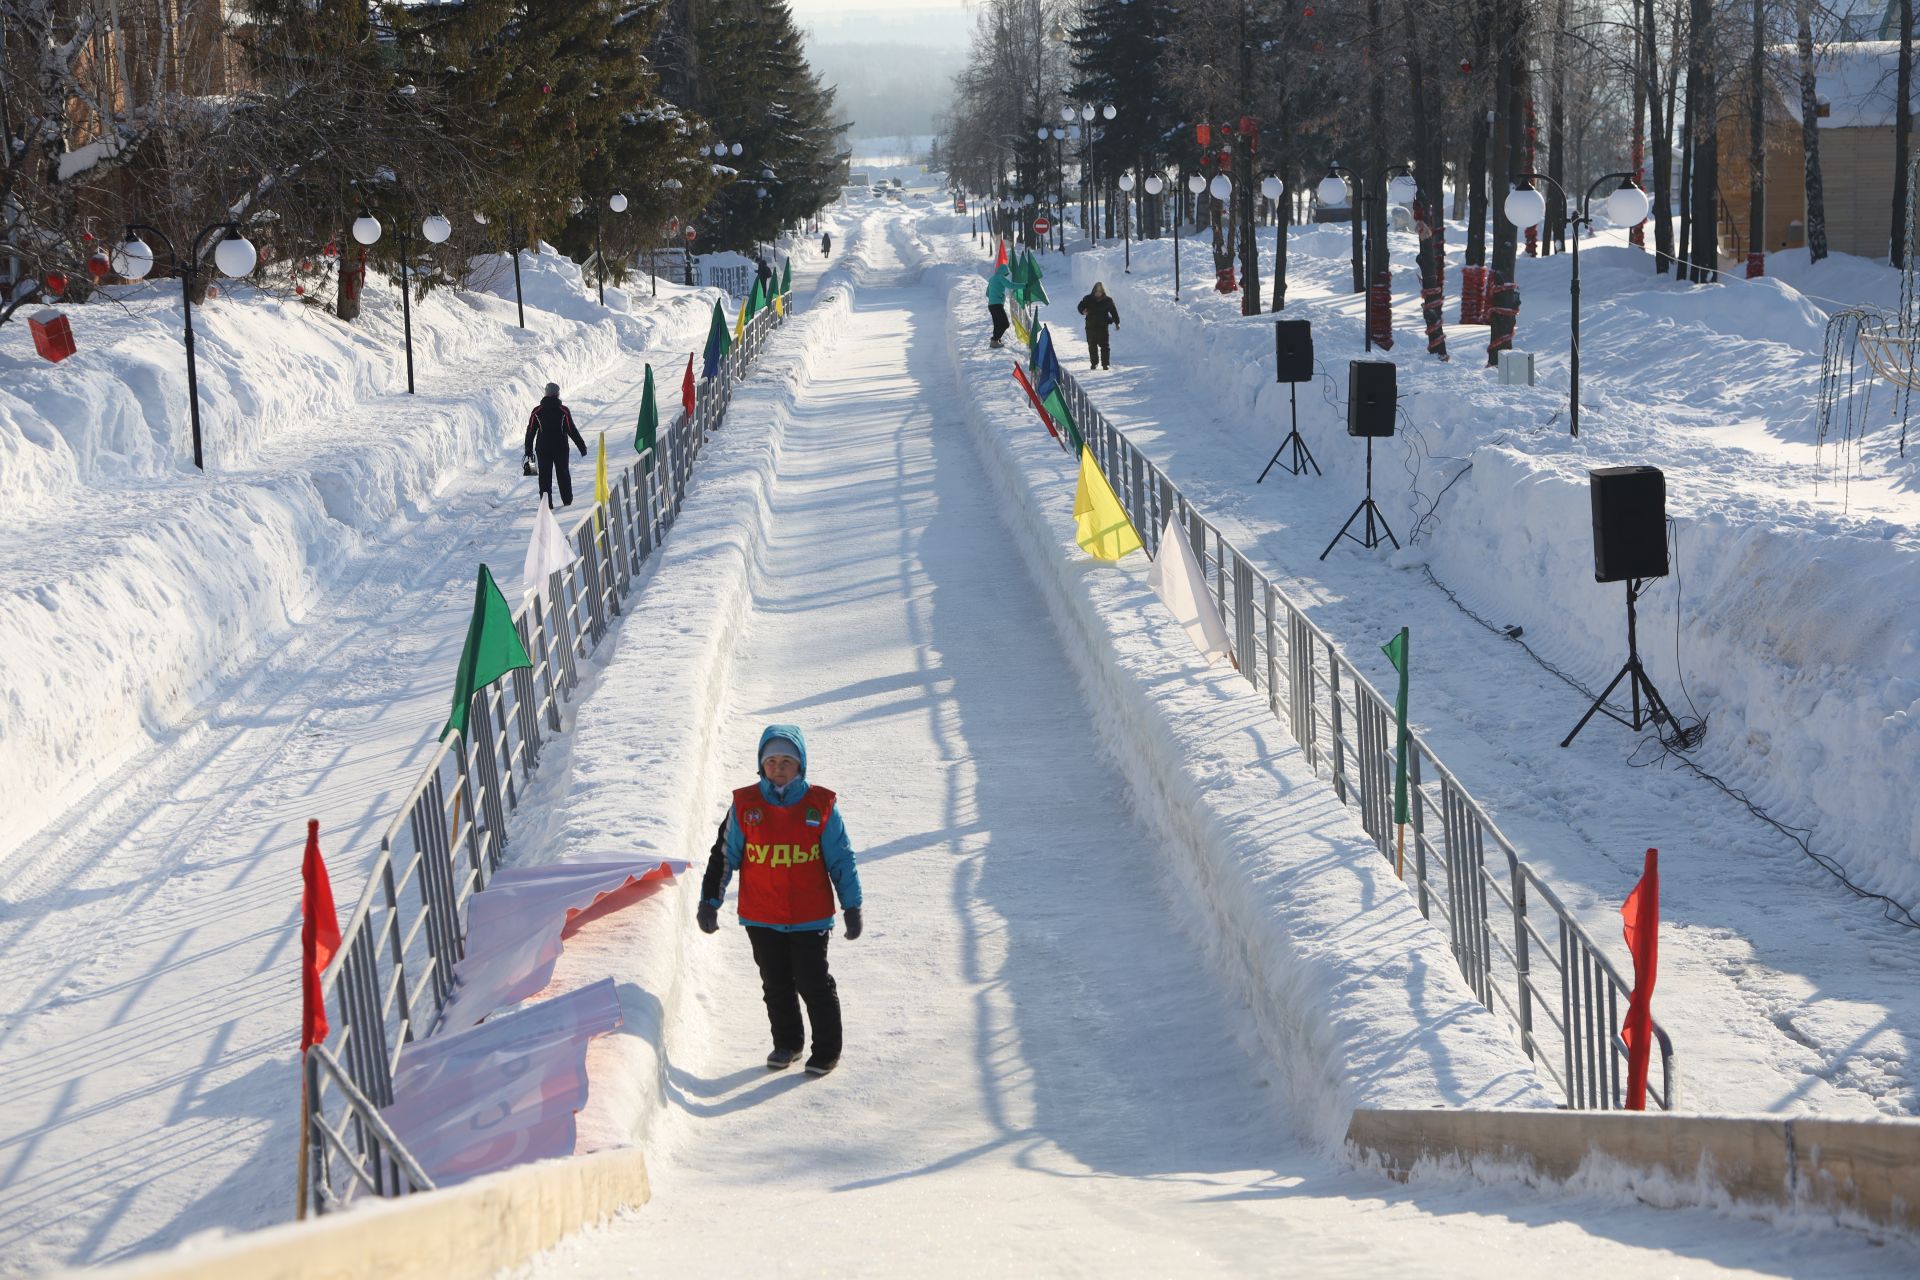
[(783, 878)]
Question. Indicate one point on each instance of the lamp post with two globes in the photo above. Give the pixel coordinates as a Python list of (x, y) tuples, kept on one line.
[(233, 256), (434, 229), (1625, 207)]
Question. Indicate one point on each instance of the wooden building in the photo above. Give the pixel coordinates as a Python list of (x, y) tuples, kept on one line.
[(1855, 88)]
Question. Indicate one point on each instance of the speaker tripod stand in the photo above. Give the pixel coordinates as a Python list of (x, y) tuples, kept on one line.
[(1638, 685), (1301, 458), (1376, 523)]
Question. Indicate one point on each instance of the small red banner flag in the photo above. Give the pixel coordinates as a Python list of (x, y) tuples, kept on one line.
[(1641, 914), (686, 388), (1020, 376), (319, 939)]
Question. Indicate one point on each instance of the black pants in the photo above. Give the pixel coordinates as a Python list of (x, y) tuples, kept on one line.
[(1097, 347), (555, 468), (793, 967), (1000, 321)]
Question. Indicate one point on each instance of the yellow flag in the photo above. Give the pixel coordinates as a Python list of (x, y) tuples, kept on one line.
[(1020, 330), (600, 491), (779, 304), (1102, 528), (740, 325)]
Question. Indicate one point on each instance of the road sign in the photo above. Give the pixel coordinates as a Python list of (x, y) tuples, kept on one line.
[(1041, 226)]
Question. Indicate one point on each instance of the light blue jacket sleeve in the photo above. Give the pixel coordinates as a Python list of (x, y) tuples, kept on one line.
[(837, 850)]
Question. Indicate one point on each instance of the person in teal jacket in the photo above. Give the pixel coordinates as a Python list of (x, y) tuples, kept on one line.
[(785, 838), (997, 285)]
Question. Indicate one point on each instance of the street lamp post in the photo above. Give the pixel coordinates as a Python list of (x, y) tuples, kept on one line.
[(1333, 189), (1273, 188), (434, 229), (1196, 183), (233, 256), (1126, 212), (1626, 207), (618, 203)]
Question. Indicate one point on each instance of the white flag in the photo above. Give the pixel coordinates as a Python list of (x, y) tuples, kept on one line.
[(1176, 577), (547, 553)]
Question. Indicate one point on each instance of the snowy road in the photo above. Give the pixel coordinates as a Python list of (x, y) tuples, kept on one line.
[(1041, 1075), (148, 1035)]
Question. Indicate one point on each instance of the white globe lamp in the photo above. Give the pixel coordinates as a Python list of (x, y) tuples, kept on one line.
[(134, 258), (1126, 182), (1627, 207), (1271, 187), (1196, 184), (1525, 207), (1155, 184), (1332, 190), (1221, 186), (1402, 190), (366, 229), (235, 255), (435, 229), (617, 202)]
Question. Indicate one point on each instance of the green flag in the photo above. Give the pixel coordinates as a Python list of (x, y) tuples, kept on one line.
[(786, 277), (755, 301), (1396, 651), (493, 648), (647, 431), (1056, 405)]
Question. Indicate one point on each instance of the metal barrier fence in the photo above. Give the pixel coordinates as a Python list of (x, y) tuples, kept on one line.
[(393, 976), (1531, 960)]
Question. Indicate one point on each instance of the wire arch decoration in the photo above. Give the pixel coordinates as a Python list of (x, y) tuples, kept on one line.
[(1889, 341)]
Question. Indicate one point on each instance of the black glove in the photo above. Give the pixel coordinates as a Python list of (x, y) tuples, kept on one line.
[(853, 923), (709, 917)]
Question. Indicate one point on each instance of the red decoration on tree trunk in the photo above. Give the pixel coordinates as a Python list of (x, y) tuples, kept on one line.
[(1380, 311)]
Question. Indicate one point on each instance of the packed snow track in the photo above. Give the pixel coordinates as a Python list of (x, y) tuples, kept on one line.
[(1043, 1075)]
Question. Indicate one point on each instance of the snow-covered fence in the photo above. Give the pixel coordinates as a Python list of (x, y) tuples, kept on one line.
[(1532, 960), (392, 978)]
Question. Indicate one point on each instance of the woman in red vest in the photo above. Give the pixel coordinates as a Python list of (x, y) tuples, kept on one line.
[(785, 838)]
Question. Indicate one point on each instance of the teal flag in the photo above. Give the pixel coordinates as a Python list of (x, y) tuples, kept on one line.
[(493, 648), (1396, 651)]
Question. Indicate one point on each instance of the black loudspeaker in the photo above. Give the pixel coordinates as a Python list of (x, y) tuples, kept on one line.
[(1373, 397), (1629, 523), (1292, 351)]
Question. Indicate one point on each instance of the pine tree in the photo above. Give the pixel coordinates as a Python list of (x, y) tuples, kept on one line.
[(755, 88)]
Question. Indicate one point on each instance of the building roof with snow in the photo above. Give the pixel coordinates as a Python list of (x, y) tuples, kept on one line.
[(1854, 81)]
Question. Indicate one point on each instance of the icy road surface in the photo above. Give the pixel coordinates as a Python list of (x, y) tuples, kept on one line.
[(1041, 1076)]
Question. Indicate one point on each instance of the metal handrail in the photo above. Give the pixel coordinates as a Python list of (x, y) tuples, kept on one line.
[(392, 978), (1346, 734)]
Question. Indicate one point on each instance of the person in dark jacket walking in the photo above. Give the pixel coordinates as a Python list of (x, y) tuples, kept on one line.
[(784, 836), (826, 244), (548, 427), (765, 275), (1100, 312)]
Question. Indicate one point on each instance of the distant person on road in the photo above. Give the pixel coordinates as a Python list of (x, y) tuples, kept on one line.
[(784, 836), (1100, 312), (997, 284), (548, 427), (765, 274), (826, 244)]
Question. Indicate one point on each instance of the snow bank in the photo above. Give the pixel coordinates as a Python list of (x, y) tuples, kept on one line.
[(1353, 994), (134, 585), (1797, 596)]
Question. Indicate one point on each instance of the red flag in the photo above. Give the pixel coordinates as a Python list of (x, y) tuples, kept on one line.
[(686, 388), (1020, 376), (1000, 259), (319, 939), (1641, 912)]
